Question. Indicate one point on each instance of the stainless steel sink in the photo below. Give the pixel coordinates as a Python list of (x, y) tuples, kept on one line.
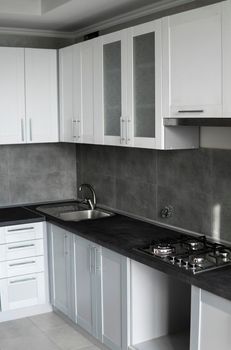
[(84, 215), (73, 212)]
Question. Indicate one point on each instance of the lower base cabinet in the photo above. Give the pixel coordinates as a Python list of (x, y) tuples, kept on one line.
[(87, 268), (210, 321), (114, 299), (89, 284)]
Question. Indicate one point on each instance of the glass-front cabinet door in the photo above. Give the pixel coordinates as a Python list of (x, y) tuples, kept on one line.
[(145, 80), (111, 94)]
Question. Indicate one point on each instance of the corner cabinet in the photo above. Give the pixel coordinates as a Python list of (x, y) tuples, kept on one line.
[(28, 102), (76, 93), (210, 321)]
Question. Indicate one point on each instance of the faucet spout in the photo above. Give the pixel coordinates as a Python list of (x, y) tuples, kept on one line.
[(91, 201)]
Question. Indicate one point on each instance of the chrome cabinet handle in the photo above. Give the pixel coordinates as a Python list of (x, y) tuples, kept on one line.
[(0, 302), (91, 260), (128, 123), (21, 246), (79, 129), (22, 130), (23, 263), (20, 229), (30, 128), (122, 138), (23, 280), (97, 266), (191, 111), (73, 128)]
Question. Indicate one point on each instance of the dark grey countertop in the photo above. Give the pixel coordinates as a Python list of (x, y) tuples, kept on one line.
[(122, 234), (19, 215)]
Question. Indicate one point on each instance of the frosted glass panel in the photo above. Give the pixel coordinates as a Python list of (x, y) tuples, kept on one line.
[(112, 88), (144, 85)]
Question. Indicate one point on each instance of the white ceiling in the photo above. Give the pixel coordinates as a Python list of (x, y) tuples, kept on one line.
[(64, 15)]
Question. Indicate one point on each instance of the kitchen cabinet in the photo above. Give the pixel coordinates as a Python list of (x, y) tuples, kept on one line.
[(41, 95), (111, 89), (12, 96), (76, 93), (60, 269), (87, 260), (23, 271), (128, 91), (28, 103), (115, 296), (195, 62), (210, 321)]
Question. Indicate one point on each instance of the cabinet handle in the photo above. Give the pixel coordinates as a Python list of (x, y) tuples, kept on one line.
[(128, 123), (191, 111), (122, 138), (20, 229), (21, 246), (97, 266), (23, 280), (79, 129), (0, 302), (65, 245), (23, 263), (30, 128), (73, 128), (22, 130)]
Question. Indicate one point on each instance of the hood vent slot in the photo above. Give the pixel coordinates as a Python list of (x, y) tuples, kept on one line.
[(197, 122)]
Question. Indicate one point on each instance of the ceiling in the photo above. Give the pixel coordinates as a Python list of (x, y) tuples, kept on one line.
[(65, 15)]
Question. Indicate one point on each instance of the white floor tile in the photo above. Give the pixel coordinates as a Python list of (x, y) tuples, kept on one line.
[(67, 338), (48, 321), (17, 328), (40, 342)]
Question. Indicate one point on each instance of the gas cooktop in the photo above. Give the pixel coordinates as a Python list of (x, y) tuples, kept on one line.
[(193, 254)]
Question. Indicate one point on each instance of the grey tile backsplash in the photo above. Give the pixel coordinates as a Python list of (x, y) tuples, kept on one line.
[(195, 182), (35, 173)]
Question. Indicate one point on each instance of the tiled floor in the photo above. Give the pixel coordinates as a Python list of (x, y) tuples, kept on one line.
[(42, 332)]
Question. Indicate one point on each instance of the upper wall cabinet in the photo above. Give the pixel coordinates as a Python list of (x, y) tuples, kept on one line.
[(41, 95), (12, 96), (110, 89), (193, 59), (28, 98), (76, 93)]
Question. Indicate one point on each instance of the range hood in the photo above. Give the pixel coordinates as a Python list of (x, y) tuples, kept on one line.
[(197, 122)]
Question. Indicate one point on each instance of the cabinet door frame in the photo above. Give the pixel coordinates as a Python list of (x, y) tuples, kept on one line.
[(100, 136), (150, 27)]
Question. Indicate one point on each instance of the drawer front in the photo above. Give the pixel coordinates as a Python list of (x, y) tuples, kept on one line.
[(24, 232), (21, 266), (21, 250), (22, 291)]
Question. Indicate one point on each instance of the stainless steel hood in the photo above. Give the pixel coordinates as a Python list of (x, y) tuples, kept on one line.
[(197, 122)]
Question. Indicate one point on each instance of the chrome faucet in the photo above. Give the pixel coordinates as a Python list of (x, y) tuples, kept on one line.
[(90, 202)]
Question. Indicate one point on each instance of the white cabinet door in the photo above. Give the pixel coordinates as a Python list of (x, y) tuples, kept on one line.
[(145, 54), (12, 96), (114, 300), (66, 92), (110, 86), (22, 291), (210, 321), (41, 95), (85, 91), (87, 283), (195, 54), (60, 269)]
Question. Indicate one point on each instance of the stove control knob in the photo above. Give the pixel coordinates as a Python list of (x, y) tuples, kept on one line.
[(186, 264), (173, 259), (179, 261), (193, 267)]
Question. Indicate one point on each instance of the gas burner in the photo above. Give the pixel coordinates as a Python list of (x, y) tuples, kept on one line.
[(163, 249), (198, 260), (194, 244), (191, 254)]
